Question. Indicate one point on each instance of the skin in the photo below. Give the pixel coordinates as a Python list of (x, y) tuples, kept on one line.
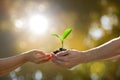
[(71, 58), (13, 62)]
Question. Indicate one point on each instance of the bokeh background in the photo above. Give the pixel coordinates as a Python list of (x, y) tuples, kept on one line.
[(28, 24)]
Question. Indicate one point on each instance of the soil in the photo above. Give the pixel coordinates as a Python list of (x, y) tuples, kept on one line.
[(59, 50)]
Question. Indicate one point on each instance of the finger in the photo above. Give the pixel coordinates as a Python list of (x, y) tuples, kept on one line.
[(44, 59), (39, 56), (57, 58), (53, 57), (45, 56), (57, 61), (60, 63), (63, 53), (50, 55), (39, 53), (61, 59)]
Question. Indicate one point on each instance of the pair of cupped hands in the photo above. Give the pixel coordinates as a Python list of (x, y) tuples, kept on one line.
[(68, 58)]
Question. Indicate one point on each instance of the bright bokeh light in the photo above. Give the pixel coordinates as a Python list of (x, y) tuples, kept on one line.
[(94, 77), (106, 23), (19, 23), (38, 75), (96, 33), (38, 24)]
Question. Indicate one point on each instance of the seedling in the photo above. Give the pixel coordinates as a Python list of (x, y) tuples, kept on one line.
[(62, 38)]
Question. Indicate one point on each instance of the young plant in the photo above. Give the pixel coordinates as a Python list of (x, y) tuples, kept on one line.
[(62, 38)]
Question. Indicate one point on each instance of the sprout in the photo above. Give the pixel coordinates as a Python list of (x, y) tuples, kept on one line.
[(62, 38)]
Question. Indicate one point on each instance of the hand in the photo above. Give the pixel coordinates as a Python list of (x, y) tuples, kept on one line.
[(37, 56), (67, 58)]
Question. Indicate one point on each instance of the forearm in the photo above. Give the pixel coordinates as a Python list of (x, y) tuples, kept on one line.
[(11, 63), (106, 51), (5, 71)]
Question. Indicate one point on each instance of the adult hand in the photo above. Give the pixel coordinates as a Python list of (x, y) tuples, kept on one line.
[(67, 58), (37, 56)]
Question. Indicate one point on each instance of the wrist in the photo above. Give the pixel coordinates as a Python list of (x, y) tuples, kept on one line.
[(91, 55), (25, 57), (84, 57)]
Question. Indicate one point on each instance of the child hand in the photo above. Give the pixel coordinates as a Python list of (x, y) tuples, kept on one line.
[(37, 56)]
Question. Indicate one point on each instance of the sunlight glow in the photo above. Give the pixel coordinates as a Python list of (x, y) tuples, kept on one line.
[(38, 24)]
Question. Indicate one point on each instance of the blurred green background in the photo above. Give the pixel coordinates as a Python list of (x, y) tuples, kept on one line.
[(28, 24)]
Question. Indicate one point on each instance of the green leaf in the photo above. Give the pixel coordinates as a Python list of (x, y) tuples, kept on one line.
[(56, 35), (65, 34)]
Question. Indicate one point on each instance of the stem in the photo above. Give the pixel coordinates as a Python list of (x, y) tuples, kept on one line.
[(62, 44)]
